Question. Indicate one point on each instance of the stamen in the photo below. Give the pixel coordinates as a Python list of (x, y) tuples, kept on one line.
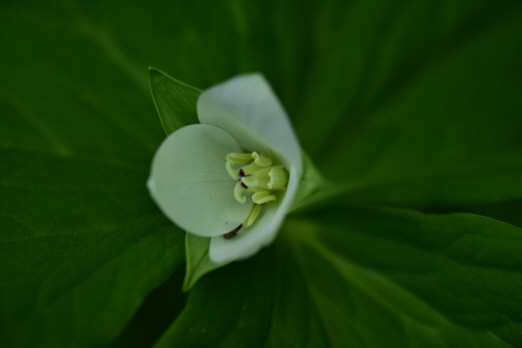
[(230, 170), (252, 168), (278, 179), (233, 232), (239, 157), (260, 178), (238, 190), (253, 215), (262, 197), (249, 181), (261, 161)]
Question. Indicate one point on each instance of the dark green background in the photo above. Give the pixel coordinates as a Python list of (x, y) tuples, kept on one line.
[(413, 109)]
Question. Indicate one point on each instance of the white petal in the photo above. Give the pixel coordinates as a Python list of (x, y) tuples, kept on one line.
[(190, 184), (246, 107), (260, 234)]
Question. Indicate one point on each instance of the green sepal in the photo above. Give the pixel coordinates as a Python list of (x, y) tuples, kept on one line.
[(313, 186), (198, 261), (175, 101)]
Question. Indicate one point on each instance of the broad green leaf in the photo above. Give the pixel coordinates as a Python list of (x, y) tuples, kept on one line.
[(159, 309), (505, 211), (413, 104), (175, 101), (82, 242), (422, 101), (363, 277), (81, 245), (465, 266)]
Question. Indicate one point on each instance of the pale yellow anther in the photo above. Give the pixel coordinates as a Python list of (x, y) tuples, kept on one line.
[(250, 181), (256, 209), (252, 168), (262, 197), (231, 171), (239, 157), (238, 193), (261, 161), (255, 174), (278, 179), (260, 178)]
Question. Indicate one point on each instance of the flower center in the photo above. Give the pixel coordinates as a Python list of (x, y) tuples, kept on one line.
[(255, 175)]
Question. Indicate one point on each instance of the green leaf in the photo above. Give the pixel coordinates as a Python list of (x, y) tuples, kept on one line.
[(341, 275), (412, 104), (155, 314), (175, 101), (77, 234), (82, 243), (423, 102), (198, 260)]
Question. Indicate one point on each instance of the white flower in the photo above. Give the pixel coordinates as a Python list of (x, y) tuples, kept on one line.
[(202, 177)]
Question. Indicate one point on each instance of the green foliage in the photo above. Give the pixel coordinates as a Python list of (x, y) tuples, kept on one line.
[(81, 245), (413, 105), (430, 116), (365, 277)]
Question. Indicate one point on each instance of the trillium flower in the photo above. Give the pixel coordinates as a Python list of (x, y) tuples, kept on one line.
[(234, 176)]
